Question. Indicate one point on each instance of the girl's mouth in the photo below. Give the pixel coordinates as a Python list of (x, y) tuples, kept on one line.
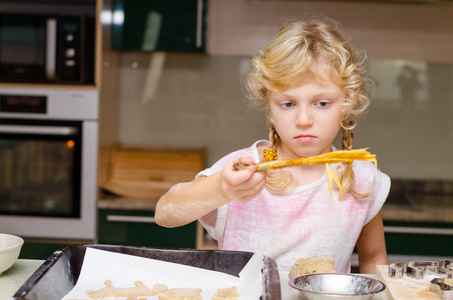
[(305, 138)]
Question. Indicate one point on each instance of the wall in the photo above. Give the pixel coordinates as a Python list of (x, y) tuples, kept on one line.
[(197, 102), (198, 99), (386, 30)]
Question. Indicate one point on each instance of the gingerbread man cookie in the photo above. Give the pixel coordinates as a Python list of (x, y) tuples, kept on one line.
[(181, 294), (140, 289)]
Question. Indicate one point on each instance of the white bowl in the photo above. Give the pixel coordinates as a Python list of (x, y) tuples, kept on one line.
[(10, 246), (336, 286)]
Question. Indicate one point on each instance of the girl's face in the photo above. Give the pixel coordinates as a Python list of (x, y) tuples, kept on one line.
[(307, 115)]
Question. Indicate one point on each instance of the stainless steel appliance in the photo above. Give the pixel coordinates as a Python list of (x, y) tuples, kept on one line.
[(48, 162), (38, 45)]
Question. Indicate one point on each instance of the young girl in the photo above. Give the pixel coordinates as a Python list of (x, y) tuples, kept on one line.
[(312, 84)]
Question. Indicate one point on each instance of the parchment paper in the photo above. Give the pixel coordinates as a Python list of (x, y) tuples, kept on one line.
[(123, 270)]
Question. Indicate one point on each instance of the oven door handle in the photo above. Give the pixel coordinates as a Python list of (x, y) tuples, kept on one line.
[(418, 230), (132, 219), (51, 48), (48, 130)]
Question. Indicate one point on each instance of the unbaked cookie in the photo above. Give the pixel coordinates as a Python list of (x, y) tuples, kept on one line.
[(315, 264), (226, 294), (181, 294), (140, 289)]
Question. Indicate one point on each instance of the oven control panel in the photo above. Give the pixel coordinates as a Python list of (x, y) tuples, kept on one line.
[(55, 104)]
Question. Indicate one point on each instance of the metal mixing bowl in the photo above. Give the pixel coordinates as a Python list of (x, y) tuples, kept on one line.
[(336, 286)]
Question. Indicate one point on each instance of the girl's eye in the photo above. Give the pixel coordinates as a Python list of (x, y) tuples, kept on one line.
[(322, 103), (287, 104)]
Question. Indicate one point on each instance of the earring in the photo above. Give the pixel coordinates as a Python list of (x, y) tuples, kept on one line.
[(270, 154)]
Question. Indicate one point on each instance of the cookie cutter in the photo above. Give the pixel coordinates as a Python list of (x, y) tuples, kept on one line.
[(397, 270), (439, 287), (446, 268), (418, 269)]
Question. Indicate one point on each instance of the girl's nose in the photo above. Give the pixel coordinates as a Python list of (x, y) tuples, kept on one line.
[(304, 118)]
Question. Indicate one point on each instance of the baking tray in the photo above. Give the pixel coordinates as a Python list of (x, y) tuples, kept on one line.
[(59, 273)]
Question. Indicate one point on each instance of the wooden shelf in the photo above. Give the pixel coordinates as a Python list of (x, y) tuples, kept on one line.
[(47, 86)]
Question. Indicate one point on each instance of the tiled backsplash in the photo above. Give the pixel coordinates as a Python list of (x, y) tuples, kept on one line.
[(197, 100)]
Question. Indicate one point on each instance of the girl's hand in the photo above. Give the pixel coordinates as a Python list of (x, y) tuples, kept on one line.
[(242, 185)]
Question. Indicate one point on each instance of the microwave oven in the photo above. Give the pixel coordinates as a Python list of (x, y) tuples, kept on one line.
[(47, 48)]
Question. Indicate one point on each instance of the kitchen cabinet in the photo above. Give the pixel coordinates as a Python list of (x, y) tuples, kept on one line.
[(36, 249), (419, 238), (138, 228), (155, 25)]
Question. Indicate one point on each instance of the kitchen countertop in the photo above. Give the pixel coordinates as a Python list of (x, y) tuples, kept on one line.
[(113, 202), (13, 278), (420, 208)]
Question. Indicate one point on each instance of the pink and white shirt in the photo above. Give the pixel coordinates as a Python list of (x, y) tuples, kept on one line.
[(302, 223)]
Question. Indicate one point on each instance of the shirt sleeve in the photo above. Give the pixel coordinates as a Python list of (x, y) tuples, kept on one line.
[(379, 193), (367, 174)]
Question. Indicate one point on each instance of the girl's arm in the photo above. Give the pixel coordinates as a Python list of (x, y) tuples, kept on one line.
[(189, 201), (371, 246)]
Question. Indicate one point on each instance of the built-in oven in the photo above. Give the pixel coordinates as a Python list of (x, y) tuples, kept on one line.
[(47, 41), (48, 162)]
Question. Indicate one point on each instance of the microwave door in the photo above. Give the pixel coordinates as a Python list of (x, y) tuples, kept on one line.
[(51, 48), (22, 48)]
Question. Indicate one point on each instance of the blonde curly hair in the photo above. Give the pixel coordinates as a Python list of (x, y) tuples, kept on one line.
[(295, 53)]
